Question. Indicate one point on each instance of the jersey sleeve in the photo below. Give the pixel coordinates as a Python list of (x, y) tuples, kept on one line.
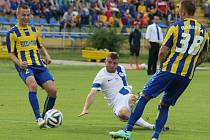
[(10, 41), (168, 40), (127, 87), (97, 82), (123, 70), (39, 39)]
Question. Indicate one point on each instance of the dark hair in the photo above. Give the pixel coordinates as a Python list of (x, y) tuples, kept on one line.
[(23, 6), (113, 55), (188, 6)]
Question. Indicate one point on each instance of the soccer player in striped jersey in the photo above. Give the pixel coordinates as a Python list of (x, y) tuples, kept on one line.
[(183, 49), (23, 44)]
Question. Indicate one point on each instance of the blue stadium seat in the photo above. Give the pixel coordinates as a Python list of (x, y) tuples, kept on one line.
[(34, 21), (12, 20), (54, 22), (43, 21), (3, 20), (45, 32)]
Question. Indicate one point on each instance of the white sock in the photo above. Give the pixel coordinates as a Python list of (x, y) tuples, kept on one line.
[(144, 124)]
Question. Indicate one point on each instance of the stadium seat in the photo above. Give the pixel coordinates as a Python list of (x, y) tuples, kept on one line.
[(3, 20), (34, 21), (43, 21), (12, 20), (54, 22), (45, 31)]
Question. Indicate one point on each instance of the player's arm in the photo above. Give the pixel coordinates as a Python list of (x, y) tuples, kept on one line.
[(88, 102), (22, 65), (167, 44), (201, 58), (11, 44), (203, 54), (47, 59), (162, 54)]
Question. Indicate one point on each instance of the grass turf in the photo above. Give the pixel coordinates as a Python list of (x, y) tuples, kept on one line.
[(189, 120)]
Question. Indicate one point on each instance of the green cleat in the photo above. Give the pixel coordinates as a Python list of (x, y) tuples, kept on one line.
[(154, 139), (126, 135)]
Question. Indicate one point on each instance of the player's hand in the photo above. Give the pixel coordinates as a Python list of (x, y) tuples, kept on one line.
[(23, 64), (47, 60), (83, 113)]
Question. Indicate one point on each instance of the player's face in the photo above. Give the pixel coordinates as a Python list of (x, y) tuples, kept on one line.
[(23, 16), (111, 65)]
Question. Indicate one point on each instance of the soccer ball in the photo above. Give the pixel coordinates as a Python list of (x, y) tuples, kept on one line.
[(53, 118)]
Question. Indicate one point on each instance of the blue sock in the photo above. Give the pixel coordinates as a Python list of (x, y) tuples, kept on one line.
[(136, 112), (34, 103), (160, 121), (49, 103)]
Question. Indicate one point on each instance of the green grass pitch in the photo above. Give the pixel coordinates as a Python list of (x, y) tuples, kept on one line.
[(189, 119)]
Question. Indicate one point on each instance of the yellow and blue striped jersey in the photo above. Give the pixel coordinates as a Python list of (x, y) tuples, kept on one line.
[(186, 40), (25, 42)]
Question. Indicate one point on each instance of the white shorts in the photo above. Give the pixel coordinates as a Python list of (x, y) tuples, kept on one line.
[(121, 101)]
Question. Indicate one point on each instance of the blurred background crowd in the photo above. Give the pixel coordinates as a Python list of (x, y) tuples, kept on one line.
[(85, 16), (68, 14)]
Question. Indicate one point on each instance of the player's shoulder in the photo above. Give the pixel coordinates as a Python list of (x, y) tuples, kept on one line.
[(204, 28), (102, 71), (120, 68), (33, 28), (177, 23), (13, 29)]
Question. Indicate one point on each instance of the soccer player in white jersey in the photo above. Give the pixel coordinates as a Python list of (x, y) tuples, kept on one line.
[(111, 80)]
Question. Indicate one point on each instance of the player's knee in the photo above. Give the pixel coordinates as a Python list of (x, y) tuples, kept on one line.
[(52, 92), (32, 86), (144, 96), (132, 100), (162, 104), (124, 114)]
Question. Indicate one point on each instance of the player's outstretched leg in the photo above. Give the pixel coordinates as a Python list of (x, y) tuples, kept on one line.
[(126, 135)]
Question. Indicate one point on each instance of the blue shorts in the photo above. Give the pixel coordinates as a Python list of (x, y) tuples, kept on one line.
[(40, 73), (172, 85)]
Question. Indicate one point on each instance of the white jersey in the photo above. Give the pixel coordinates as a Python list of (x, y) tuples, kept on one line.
[(113, 85)]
